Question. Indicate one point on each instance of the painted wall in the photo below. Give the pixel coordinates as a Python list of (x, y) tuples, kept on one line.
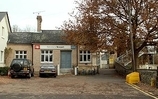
[(3, 38), (19, 47), (56, 55), (34, 54), (87, 66)]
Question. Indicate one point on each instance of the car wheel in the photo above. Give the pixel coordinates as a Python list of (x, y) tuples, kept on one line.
[(40, 75), (29, 75), (55, 75), (32, 74), (12, 76)]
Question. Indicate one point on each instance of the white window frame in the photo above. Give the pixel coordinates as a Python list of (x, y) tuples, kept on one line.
[(21, 54), (47, 56), (85, 56), (2, 32), (1, 56)]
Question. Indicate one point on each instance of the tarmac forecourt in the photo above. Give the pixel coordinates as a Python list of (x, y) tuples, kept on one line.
[(138, 88)]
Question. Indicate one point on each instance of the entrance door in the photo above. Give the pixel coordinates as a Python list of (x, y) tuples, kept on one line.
[(103, 61), (65, 60)]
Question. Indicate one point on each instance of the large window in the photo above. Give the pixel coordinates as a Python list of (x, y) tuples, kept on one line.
[(21, 54), (85, 57), (46, 56)]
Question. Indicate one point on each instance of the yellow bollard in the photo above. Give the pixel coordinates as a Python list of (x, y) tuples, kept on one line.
[(133, 78), (153, 82)]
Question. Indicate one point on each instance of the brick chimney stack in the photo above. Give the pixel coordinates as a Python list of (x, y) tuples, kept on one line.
[(39, 21)]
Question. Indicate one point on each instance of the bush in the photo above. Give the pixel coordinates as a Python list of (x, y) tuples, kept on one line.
[(4, 71)]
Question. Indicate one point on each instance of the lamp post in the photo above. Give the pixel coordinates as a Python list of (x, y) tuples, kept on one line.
[(131, 35)]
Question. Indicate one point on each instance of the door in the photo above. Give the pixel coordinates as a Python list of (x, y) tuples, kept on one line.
[(65, 60)]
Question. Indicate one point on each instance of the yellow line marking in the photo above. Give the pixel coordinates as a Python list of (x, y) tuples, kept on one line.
[(138, 88)]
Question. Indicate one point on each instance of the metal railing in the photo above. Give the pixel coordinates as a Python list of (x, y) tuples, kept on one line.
[(123, 64)]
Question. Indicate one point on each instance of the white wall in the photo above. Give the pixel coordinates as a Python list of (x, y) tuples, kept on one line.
[(3, 39)]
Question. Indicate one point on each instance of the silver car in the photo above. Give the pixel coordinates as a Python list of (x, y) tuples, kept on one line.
[(48, 70)]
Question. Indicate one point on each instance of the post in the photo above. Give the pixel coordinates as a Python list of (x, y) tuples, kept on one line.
[(76, 69), (58, 68), (157, 78), (131, 37)]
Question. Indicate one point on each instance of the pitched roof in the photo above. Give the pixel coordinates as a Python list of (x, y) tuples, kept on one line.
[(20, 37), (46, 36), (2, 15)]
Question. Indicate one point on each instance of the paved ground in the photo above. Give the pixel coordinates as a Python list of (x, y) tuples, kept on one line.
[(106, 85)]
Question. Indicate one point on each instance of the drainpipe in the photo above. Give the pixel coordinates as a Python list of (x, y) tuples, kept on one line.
[(32, 54)]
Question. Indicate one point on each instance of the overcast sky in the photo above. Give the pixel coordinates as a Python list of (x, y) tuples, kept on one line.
[(53, 12)]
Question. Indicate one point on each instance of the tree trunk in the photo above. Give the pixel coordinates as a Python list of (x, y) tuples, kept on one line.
[(136, 61)]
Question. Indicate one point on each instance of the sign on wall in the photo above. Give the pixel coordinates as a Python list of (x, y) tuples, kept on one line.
[(37, 46), (55, 46)]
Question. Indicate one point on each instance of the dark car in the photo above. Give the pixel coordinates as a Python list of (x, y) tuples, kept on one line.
[(48, 70), (21, 67)]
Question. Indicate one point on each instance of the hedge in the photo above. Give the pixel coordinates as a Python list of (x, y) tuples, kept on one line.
[(4, 71)]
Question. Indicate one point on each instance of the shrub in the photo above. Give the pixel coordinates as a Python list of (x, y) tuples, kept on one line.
[(4, 71)]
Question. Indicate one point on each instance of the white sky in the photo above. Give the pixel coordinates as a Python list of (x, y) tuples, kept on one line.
[(55, 12)]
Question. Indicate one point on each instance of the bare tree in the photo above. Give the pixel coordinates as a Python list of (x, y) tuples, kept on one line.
[(101, 24), (15, 28), (29, 29)]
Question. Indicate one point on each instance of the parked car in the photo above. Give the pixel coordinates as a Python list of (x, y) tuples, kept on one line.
[(21, 67), (48, 70)]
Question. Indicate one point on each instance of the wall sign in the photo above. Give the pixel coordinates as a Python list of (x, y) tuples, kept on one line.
[(37, 46), (55, 46)]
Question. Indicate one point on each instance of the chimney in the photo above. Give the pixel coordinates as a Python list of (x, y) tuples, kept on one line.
[(39, 21)]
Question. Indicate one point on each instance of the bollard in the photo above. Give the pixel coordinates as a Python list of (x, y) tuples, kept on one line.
[(157, 78), (76, 69), (153, 82)]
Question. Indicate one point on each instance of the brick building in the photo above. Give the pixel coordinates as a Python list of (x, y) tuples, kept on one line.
[(48, 47)]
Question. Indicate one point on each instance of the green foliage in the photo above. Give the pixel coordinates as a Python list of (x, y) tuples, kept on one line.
[(4, 71), (6, 53)]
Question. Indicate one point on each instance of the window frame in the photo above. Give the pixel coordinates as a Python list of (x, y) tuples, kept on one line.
[(85, 56), (19, 54), (2, 34), (1, 56), (47, 56)]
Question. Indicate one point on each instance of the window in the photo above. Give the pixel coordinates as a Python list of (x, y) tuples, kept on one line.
[(21, 54), (46, 56), (2, 31), (1, 57), (85, 57)]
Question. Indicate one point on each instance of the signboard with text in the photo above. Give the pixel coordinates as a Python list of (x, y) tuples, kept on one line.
[(55, 46)]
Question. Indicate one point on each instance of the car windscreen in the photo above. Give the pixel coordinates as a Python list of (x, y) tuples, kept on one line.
[(48, 66), (17, 61)]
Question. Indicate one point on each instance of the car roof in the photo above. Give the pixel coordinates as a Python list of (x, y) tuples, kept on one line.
[(20, 59)]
